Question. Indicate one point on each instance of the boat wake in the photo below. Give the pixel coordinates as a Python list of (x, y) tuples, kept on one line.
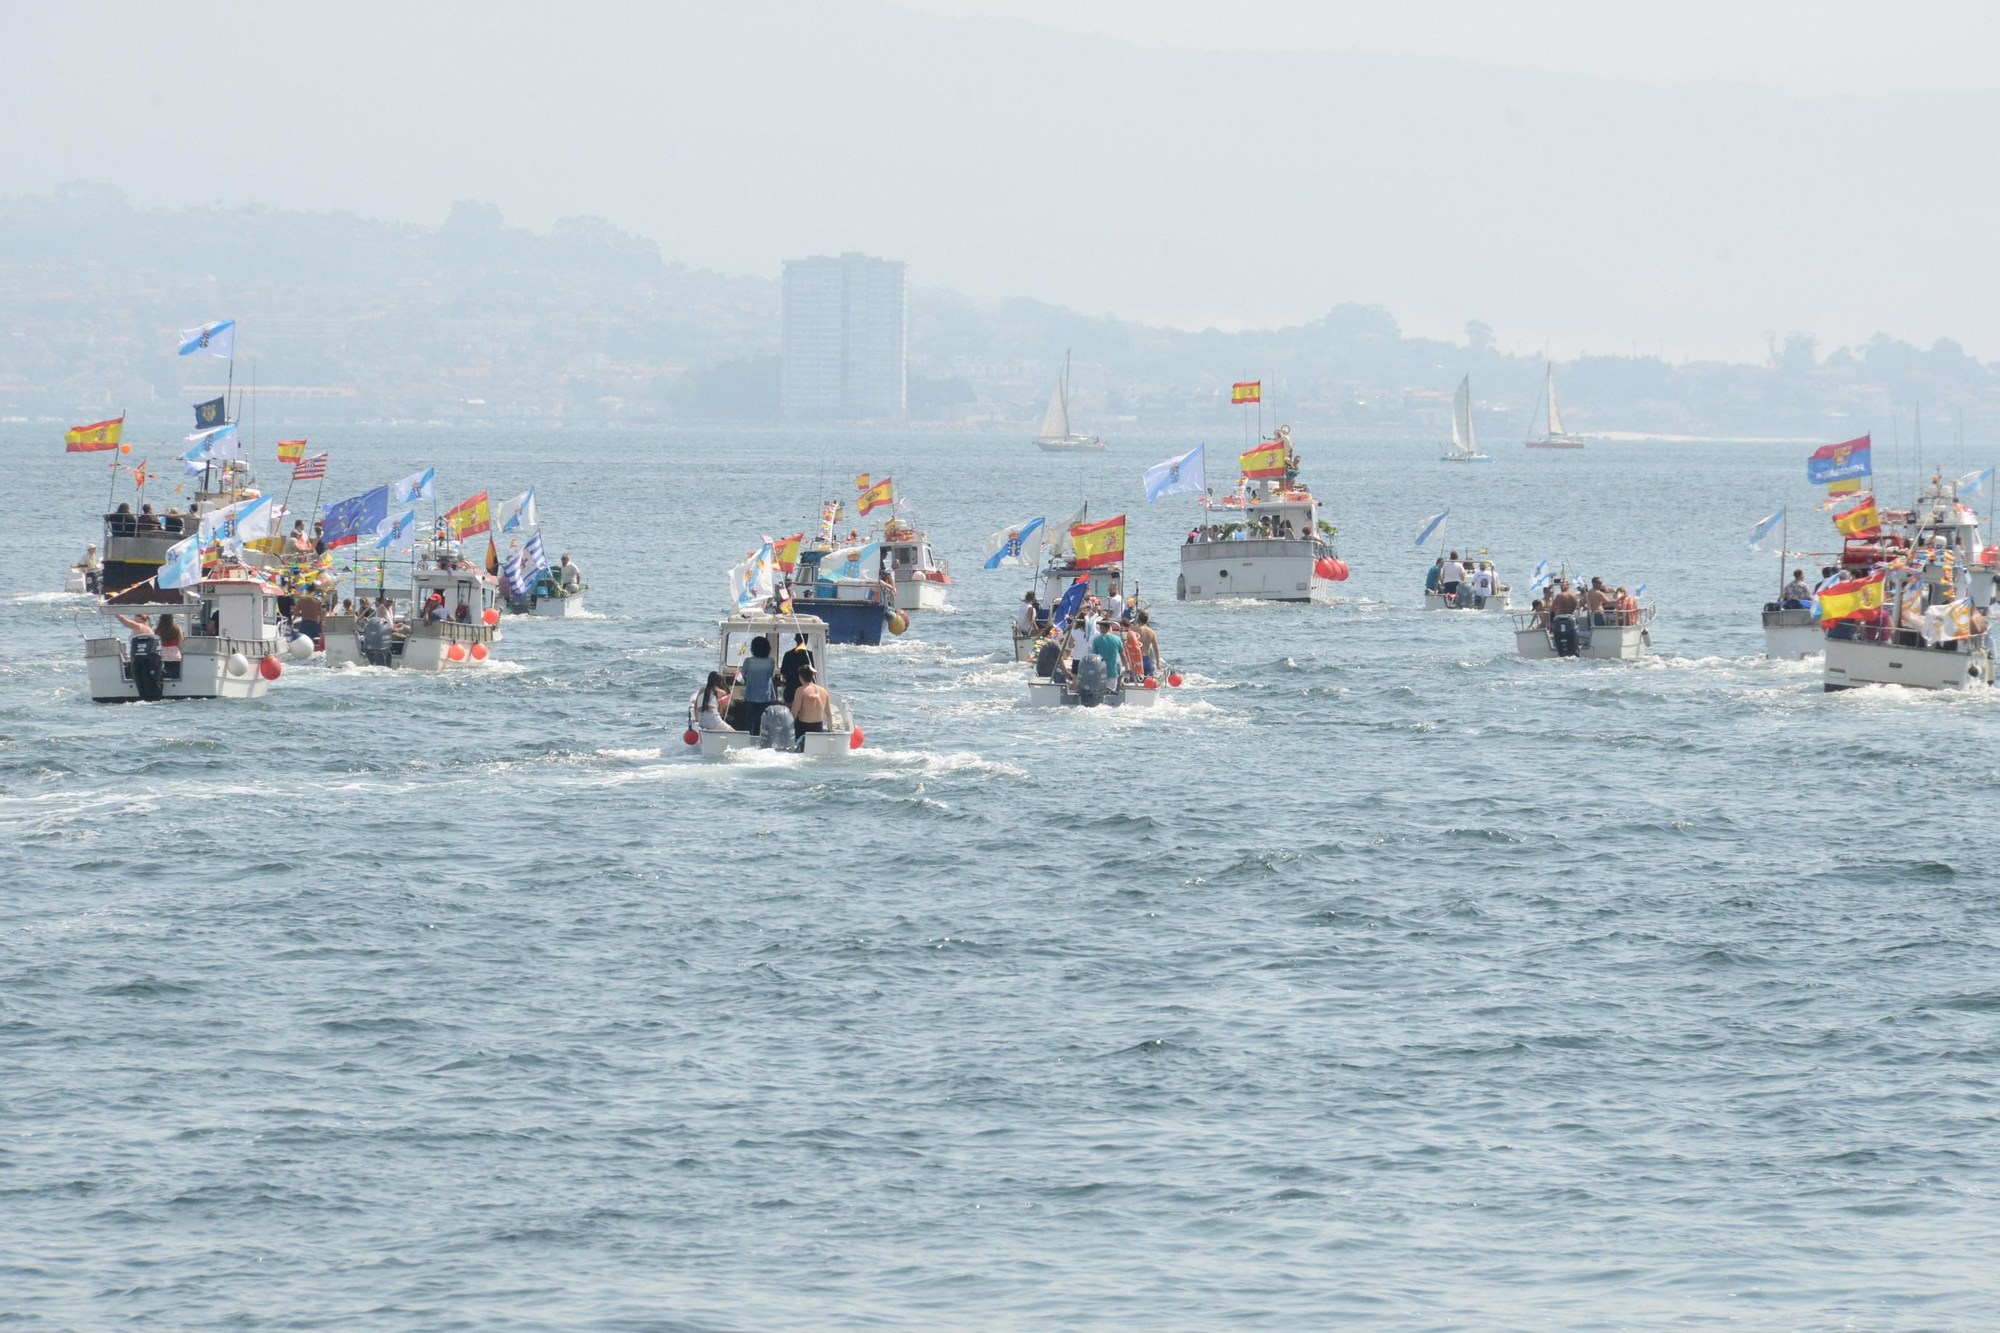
[(50, 598)]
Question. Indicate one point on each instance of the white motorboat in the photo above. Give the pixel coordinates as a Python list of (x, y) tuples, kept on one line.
[(1265, 541), (922, 581), (1792, 632), (1554, 437), (779, 631), (469, 598), (1056, 436), (229, 648), (1623, 636), (1930, 632), (1061, 692), (1464, 449), (1102, 581)]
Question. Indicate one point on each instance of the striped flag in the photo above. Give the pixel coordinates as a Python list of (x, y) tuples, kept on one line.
[(310, 469)]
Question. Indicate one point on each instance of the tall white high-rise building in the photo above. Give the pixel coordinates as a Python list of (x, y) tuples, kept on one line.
[(844, 339)]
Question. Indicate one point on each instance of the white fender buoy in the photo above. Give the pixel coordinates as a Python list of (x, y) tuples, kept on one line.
[(239, 665), (302, 647)]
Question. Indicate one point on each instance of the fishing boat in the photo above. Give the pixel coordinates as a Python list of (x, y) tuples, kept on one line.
[(1554, 437), (1791, 628), (1468, 597), (921, 580), (1613, 634), (1055, 578), (229, 649), (854, 610), (546, 596), (1056, 436), (1091, 689), (779, 631), (1464, 449), (1265, 541), (1929, 630), (441, 576)]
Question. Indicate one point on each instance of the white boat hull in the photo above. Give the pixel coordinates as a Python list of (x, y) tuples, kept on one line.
[(1270, 571), (1607, 643), (921, 594), (1437, 601), (428, 647), (1092, 445), (1854, 662), (816, 744), (1046, 693), (1791, 633), (202, 673), (74, 581), (1466, 458), (558, 607)]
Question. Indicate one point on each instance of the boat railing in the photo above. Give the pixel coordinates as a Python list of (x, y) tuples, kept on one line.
[(1640, 618), (1230, 548)]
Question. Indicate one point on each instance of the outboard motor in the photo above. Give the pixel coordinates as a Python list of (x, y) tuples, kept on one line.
[(775, 730), (1046, 658), (149, 670), (1562, 632), (1090, 680), (376, 638)]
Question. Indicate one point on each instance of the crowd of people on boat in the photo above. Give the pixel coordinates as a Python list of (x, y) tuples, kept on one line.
[(1925, 598), (1119, 635), (1463, 583), (1591, 602), (738, 699), (1271, 527)]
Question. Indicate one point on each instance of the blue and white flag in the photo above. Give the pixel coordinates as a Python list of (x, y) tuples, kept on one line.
[(753, 582), (1430, 525), (1761, 536), (520, 575), (1638, 592), (851, 563), (1540, 578), (532, 557), (1972, 483), (209, 446), (1018, 545), (217, 338), (1187, 474), (1072, 599), (183, 564), (518, 512), (240, 522), (398, 533), (417, 486)]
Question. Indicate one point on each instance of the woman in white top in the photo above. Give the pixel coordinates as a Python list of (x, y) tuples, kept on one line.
[(709, 703)]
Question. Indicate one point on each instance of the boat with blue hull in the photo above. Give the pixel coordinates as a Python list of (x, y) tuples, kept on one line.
[(855, 612)]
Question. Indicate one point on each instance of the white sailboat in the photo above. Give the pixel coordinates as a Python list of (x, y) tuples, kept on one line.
[(1056, 436), (1555, 437), (1464, 449)]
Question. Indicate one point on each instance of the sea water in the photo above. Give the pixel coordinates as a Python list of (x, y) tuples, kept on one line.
[(1377, 978)]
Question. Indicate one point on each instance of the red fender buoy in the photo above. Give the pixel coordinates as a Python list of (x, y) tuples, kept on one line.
[(270, 669)]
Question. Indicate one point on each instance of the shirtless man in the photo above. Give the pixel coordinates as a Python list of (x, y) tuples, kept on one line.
[(812, 709), (1597, 600), (1564, 603), (1149, 645)]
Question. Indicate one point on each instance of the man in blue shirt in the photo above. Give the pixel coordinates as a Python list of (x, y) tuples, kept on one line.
[(1111, 648)]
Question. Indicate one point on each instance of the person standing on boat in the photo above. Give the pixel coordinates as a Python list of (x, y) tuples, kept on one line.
[(1431, 575), (1115, 608), (1028, 616), (1079, 637), (1482, 585), (1450, 575), (92, 569), (1109, 647), (796, 666), (1797, 593), (1149, 645), (812, 707), (760, 675)]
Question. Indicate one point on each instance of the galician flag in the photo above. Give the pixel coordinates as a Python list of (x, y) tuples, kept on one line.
[(398, 533), (1186, 475), (1430, 525), (753, 582), (417, 486), (211, 445), (518, 512), (217, 338), (183, 564), (1019, 545), (853, 563), (1761, 536)]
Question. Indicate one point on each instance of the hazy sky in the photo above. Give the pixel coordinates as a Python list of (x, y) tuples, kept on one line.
[(1674, 177)]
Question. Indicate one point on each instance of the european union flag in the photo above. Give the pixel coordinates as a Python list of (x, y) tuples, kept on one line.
[(345, 522), (210, 413)]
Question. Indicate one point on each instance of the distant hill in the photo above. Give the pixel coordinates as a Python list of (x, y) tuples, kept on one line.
[(347, 318)]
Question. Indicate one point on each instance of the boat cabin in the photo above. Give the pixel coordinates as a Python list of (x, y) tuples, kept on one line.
[(745, 627), (468, 591)]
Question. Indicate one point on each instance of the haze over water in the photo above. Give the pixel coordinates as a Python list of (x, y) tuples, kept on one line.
[(1377, 979)]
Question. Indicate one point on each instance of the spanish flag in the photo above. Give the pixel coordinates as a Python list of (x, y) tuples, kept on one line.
[(1266, 460), (786, 550), (291, 451), (470, 518), (861, 482), (1848, 487), (1099, 543), (1247, 391), (94, 438), (881, 493), (1838, 601), (1860, 521)]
